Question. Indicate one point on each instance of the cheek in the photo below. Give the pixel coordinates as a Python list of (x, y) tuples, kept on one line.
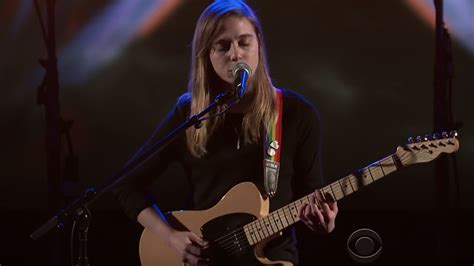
[(254, 60), (215, 62)]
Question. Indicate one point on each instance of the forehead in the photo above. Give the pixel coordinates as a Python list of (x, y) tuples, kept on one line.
[(233, 27)]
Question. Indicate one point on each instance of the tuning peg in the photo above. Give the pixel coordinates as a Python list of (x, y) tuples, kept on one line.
[(453, 134), (445, 135), (436, 136), (418, 139), (427, 137), (411, 140)]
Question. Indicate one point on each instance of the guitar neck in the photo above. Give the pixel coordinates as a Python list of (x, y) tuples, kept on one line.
[(282, 218)]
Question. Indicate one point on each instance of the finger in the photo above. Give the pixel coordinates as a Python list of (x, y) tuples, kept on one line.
[(198, 240), (317, 206), (326, 209), (333, 206), (328, 197), (301, 211), (313, 207), (308, 217), (319, 217), (193, 250), (320, 197), (316, 198), (190, 259)]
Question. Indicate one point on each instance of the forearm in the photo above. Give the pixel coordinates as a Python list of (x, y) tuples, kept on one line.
[(152, 219)]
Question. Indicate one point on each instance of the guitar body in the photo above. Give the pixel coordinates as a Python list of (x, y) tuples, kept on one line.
[(242, 204), (239, 225)]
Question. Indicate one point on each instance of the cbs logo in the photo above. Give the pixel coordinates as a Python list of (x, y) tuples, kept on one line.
[(364, 245)]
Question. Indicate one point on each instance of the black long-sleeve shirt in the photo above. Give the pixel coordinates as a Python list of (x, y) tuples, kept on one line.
[(224, 166)]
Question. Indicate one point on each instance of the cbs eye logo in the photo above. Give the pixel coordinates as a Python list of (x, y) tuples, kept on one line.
[(364, 245)]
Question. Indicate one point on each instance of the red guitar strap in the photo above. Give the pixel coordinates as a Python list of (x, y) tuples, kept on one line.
[(272, 149)]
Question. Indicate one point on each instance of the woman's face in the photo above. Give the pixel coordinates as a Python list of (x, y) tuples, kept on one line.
[(235, 42)]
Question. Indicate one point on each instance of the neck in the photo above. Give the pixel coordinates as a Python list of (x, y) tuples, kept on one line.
[(244, 104)]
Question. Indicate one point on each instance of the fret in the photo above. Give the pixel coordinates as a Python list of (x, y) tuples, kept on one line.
[(345, 188), (264, 228), (269, 226), (364, 177), (294, 209), (381, 168), (370, 173), (342, 188), (375, 172), (397, 162), (258, 231), (323, 192), (273, 223), (278, 222), (298, 204), (252, 233), (389, 165), (248, 235), (348, 180), (354, 183), (285, 214), (288, 215), (332, 191), (338, 190), (280, 219)]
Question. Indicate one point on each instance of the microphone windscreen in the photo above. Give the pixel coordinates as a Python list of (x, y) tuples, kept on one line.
[(241, 66)]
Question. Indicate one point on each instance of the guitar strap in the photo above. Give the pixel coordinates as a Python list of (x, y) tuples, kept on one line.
[(272, 149)]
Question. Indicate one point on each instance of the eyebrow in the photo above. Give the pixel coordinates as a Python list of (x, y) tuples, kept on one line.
[(242, 36)]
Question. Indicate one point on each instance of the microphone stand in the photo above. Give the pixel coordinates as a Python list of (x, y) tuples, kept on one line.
[(48, 96), (443, 120), (78, 209)]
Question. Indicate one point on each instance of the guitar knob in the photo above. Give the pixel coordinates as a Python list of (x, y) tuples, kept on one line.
[(427, 137), (436, 136), (418, 139), (411, 140), (453, 134), (445, 135)]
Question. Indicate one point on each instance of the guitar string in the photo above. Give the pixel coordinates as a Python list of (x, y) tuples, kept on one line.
[(237, 244), (227, 241), (266, 227), (241, 235), (285, 213), (229, 238), (233, 249)]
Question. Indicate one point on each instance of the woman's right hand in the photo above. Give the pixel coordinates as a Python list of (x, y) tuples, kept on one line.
[(189, 247)]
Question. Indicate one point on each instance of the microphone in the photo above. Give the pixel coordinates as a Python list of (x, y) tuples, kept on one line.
[(241, 73)]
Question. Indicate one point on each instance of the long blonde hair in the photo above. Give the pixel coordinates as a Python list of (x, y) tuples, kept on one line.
[(203, 78)]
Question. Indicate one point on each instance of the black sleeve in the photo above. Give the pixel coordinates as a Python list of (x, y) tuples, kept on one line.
[(133, 194), (308, 162)]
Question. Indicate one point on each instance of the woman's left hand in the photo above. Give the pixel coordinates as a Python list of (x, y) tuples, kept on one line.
[(320, 214)]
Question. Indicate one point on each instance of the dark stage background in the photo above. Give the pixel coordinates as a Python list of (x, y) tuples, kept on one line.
[(367, 65)]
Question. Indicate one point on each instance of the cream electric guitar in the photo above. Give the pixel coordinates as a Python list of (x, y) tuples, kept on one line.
[(239, 225)]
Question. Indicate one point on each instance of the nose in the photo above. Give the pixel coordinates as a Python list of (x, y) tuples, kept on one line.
[(235, 52)]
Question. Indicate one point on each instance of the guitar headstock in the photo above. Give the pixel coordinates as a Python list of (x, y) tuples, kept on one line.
[(428, 148)]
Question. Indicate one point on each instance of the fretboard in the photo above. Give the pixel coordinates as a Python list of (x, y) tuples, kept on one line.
[(280, 219)]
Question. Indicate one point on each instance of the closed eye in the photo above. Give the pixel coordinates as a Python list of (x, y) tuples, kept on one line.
[(222, 46)]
